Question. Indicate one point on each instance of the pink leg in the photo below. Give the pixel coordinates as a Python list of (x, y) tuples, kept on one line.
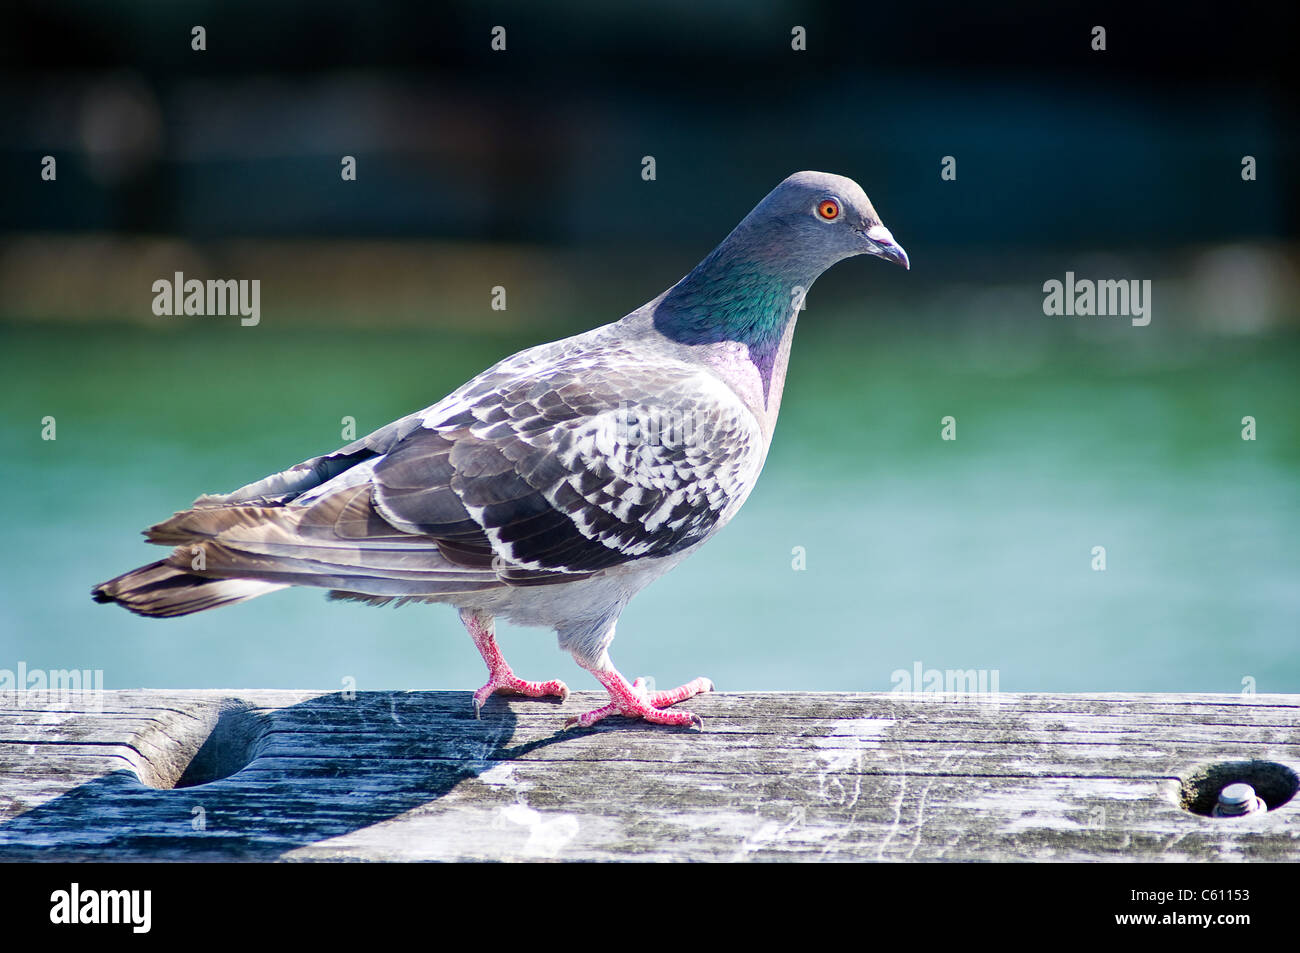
[(501, 680), (632, 700)]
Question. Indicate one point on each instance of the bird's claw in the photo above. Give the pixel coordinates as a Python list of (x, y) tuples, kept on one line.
[(633, 701), (507, 683)]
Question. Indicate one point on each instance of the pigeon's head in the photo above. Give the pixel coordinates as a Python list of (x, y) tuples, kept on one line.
[(823, 218)]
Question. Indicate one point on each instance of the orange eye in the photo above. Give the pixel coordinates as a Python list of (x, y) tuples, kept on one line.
[(828, 209)]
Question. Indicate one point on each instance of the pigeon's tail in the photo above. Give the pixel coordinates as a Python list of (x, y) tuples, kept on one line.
[(229, 553), (162, 590)]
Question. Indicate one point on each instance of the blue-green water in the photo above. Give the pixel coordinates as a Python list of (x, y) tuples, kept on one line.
[(973, 554)]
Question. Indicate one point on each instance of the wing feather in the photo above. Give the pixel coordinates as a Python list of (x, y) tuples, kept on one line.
[(526, 476)]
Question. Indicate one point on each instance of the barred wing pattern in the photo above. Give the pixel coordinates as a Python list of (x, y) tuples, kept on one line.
[(560, 476)]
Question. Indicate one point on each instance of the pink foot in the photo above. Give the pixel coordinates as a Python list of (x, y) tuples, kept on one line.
[(633, 701), (501, 680), (505, 682)]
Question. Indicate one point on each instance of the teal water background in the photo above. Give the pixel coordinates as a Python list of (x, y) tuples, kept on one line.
[(966, 554)]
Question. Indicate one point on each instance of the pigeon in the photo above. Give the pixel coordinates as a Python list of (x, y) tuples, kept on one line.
[(555, 485)]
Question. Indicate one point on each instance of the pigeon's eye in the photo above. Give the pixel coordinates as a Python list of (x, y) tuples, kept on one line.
[(828, 209)]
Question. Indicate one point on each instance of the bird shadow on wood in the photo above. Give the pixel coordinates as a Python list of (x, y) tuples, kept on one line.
[(253, 784)]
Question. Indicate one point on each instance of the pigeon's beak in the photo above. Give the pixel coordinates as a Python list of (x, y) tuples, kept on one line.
[(883, 246)]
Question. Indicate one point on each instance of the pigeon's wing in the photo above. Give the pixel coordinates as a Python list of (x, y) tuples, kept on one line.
[(576, 472), (519, 478)]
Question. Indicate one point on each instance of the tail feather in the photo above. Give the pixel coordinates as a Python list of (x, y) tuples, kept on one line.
[(229, 553), (245, 551), (163, 591)]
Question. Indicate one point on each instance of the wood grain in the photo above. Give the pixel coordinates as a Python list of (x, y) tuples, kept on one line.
[(780, 776)]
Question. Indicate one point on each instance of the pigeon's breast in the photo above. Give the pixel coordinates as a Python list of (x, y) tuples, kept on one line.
[(732, 362)]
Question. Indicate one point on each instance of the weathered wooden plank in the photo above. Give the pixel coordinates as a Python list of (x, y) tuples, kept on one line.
[(127, 775)]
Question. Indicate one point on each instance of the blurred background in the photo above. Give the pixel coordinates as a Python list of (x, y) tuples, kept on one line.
[(523, 168)]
